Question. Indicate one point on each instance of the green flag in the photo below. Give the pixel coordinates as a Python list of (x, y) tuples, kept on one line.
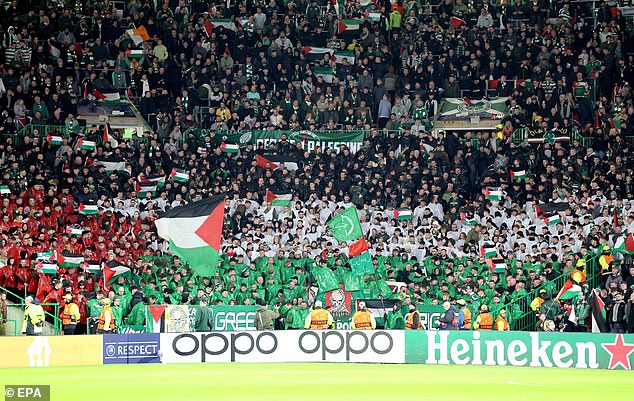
[(326, 279), (352, 282), (345, 226), (362, 264)]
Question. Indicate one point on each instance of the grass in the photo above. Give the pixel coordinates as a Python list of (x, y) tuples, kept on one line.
[(321, 381)]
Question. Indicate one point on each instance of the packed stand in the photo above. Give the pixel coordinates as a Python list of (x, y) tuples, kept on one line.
[(252, 66)]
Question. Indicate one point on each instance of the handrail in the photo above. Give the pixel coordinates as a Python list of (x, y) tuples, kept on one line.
[(526, 320), (57, 322)]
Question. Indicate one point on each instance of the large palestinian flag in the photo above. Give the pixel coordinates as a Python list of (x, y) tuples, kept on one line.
[(598, 321), (194, 233), (274, 161)]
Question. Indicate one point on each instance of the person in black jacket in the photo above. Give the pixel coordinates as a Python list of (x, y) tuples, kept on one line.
[(617, 315)]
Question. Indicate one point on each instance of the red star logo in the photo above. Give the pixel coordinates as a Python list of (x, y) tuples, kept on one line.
[(619, 353)]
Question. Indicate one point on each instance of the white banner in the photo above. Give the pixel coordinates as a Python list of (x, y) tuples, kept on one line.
[(285, 346)]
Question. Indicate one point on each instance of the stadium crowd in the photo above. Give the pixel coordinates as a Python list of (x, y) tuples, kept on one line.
[(250, 65)]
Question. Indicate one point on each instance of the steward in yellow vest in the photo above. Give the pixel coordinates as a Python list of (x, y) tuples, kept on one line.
[(363, 319), (318, 318)]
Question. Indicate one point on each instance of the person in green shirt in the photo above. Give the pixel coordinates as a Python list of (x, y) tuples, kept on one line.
[(117, 311), (394, 319), (203, 320)]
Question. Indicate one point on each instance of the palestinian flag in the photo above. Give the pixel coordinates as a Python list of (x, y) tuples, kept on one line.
[(138, 35), (278, 199), (111, 164), (134, 53), (598, 320), (348, 26), (143, 188), (570, 290), (179, 176), (155, 318), (159, 180), (68, 259), (468, 222), (358, 247), (74, 230), (457, 22), (274, 162), (194, 233), (497, 266), (339, 56), (212, 24), (88, 209), (518, 175), (229, 147), (543, 208), (494, 194), (4, 190), (91, 266), (113, 270), (378, 308), (402, 214), (46, 266), (316, 53), (326, 73), (372, 16), (552, 220), (488, 251), (624, 244), (55, 139), (109, 137), (85, 145), (106, 97)]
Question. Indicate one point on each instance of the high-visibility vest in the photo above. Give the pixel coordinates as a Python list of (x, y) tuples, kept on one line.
[(466, 323), (485, 321), (409, 322), (605, 261), (319, 319), (362, 320), (70, 315), (578, 276), (501, 324), (102, 318)]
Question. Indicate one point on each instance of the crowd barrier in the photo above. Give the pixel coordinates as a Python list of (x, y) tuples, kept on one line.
[(534, 349)]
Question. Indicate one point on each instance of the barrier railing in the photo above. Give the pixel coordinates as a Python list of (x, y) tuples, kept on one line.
[(54, 316), (523, 317)]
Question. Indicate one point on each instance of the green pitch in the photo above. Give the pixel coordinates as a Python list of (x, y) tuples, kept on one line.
[(323, 382)]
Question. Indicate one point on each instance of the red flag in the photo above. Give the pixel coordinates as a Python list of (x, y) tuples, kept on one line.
[(358, 247), (209, 27), (457, 22)]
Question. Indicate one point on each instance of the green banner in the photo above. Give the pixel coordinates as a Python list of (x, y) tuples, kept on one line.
[(234, 318), (131, 329), (309, 139), (536, 349)]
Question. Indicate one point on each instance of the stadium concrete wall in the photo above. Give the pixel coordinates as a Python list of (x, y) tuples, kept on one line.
[(566, 350)]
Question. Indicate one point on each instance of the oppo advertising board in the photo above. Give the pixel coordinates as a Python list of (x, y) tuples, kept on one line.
[(285, 346)]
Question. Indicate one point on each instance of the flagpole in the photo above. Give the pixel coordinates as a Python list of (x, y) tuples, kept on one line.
[(379, 291)]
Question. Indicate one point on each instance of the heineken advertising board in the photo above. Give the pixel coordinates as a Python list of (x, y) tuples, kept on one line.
[(535, 349)]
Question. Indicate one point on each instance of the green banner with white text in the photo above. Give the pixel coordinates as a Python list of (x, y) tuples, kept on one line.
[(309, 139), (234, 318), (535, 349)]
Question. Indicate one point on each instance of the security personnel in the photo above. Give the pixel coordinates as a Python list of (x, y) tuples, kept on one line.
[(484, 321), (33, 317), (70, 315), (363, 319), (577, 275), (466, 313), (106, 318), (605, 261), (412, 319), (319, 318), (536, 304), (501, 324)]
